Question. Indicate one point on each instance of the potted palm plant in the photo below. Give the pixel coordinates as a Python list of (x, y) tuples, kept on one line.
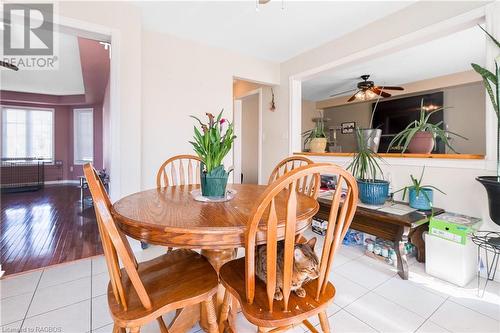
[(419, 137), (420, 196), (492, 85), (212, 144), (316, 137), (365, 167)]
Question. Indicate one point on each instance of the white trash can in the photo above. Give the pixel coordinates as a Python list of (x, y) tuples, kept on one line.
[(450, 261)]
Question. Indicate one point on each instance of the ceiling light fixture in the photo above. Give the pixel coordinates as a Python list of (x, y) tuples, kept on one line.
[(365, 95)]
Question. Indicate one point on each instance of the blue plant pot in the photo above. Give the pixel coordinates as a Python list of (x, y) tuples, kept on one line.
[(421, 201), (373, 192)]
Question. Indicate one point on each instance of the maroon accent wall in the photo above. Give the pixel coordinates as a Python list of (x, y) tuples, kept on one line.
[(63, 140)]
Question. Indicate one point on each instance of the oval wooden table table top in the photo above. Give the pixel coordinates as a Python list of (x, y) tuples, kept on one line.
[(170, 216)]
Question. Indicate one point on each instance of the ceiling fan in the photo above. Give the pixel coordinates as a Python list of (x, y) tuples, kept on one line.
[(368, 90), (8, 65)]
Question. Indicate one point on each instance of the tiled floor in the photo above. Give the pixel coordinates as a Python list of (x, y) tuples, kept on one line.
[(370, 298)]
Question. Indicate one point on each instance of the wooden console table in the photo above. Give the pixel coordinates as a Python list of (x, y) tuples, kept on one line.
[(397, 228)]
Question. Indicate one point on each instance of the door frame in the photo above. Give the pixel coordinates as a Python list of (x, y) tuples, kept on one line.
[(111, 35), (237, 116)]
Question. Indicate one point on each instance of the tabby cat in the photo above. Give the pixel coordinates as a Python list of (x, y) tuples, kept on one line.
[(305, 266)]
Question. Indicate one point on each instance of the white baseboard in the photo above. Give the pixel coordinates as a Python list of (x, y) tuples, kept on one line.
[(58, 182)]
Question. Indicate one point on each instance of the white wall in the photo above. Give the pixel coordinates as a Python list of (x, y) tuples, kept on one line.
[(182, 78)]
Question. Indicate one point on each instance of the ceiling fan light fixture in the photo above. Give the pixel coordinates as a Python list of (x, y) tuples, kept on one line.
[(365, 95)]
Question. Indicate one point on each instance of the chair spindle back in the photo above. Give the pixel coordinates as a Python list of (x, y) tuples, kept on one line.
[(340, 218), (308, 185), (179, 170)]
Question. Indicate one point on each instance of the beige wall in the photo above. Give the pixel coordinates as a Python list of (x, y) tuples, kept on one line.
[(180, 83), (250, 139), (359, 113), (467, 116)]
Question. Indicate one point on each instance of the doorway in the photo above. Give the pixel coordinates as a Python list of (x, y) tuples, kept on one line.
[(249, 137)]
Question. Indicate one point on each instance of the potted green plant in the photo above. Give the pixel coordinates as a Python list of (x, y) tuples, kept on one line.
[(420, 196), (212, 144), (370, 136), (365, 167), (419, 137), (492, 85), (316, 137)]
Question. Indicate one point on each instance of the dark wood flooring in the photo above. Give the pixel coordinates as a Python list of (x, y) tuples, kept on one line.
[(46, 227)]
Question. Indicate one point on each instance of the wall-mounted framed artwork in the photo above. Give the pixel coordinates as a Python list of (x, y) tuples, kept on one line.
[(348, 127)]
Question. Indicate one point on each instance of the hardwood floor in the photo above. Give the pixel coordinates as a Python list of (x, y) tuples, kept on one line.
[(46, 227)]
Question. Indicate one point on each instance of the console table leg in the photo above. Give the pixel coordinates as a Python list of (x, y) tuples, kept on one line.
[(417, 239), (400, 243)]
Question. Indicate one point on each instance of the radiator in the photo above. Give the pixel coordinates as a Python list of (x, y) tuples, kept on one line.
[(25, 174)]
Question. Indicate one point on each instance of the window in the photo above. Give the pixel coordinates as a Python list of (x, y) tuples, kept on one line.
[(28, 133), (83, 131)]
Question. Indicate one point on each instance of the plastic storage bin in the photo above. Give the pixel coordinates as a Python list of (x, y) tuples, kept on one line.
[(450, 261)]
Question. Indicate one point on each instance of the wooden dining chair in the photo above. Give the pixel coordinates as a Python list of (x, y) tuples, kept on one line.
[(256, 297), (179, 170), (288, 164), (141, 292), (308, 185)]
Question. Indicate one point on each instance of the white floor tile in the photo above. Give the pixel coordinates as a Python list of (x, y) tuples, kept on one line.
[(19, 284), (100, 284), (99, 265), (352, 251), (457, 318), (366, 272), (340, 260), (488, 304), (384, 315), (151, 252), (420, 278), (105, 329), (70, 319), (12, 327), (14, 308), (100, 312), (51, 298), (410, 296), (344, 322), (430, 327), (347, 291), (64, 273), (330, 311)]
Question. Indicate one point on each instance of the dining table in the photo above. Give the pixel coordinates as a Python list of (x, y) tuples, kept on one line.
[(170, 216)]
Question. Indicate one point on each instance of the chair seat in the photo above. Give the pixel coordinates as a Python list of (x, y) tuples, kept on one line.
[(232, 276), (172, 281)]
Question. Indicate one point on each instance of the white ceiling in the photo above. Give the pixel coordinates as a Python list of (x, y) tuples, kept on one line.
[(271, 33), (447, 55), (66, 80)]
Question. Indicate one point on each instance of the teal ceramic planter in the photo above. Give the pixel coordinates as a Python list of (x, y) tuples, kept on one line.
[(373, 192), (421, 201), (213, 184)]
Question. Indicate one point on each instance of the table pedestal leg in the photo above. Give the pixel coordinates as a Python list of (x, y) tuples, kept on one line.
[(217, 258), (401, 252), (185, 319)]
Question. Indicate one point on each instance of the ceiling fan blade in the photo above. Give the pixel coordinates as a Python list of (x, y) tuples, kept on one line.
[(8, 65), (390, 88), (353, 97), (379, 92), (342, 92)]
